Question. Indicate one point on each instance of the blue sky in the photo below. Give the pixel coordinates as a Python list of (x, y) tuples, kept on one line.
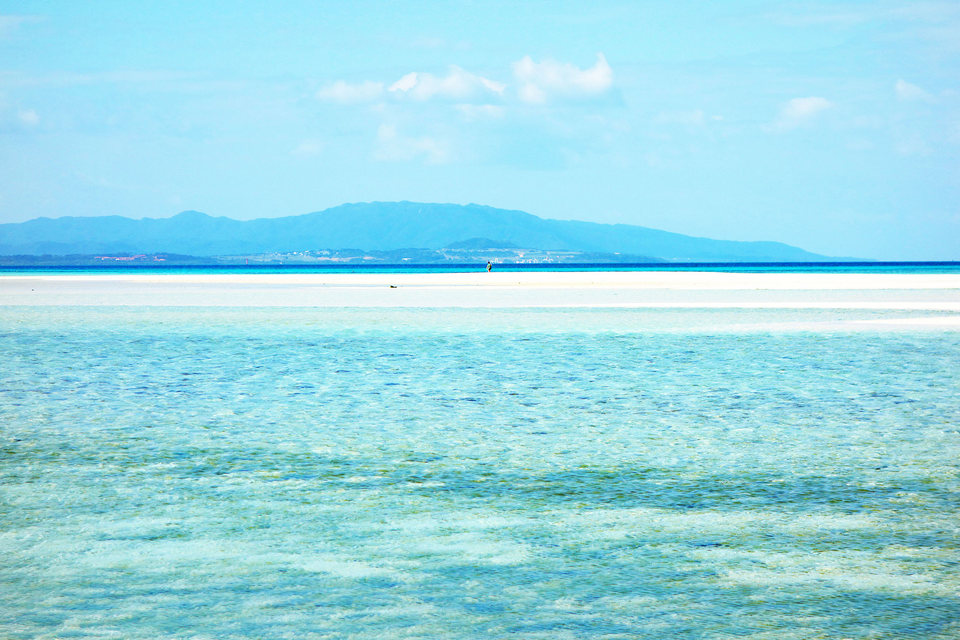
[(834, 126)]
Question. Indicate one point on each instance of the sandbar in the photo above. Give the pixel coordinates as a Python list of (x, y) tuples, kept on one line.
[(504, 289)]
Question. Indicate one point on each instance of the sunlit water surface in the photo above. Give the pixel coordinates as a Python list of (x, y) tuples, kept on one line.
[(277, 473)]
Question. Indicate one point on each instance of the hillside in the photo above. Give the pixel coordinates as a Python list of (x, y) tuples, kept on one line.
[(375, 226)]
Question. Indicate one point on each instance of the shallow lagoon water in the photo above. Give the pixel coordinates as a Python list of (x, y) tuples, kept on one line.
[(404, 473)]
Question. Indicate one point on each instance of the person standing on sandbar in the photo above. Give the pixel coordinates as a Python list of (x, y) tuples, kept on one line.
[(489, 267)]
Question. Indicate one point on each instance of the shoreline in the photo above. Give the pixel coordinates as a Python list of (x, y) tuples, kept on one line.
[(647, 279), (547, 289)]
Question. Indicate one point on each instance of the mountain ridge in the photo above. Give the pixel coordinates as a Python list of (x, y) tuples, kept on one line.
[(373, 226)]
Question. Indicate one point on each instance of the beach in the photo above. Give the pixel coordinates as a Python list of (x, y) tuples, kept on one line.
[(610, 289)]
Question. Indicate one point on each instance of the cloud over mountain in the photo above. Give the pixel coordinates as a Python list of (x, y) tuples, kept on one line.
[(458, 84), (532, 83), (540, 81), (800, 111)]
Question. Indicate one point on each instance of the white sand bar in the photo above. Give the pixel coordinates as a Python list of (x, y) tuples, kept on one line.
[(626, 289)]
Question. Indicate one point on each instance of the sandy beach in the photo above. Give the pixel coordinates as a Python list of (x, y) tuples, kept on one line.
[(920, 292)]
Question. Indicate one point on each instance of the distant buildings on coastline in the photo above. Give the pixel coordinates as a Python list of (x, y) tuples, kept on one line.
[(338, 257), (435, 256), (140, 257)]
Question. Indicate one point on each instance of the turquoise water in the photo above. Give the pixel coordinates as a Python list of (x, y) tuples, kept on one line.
[(304, 473)]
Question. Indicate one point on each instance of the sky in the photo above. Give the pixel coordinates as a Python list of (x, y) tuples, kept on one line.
[(833, 126)]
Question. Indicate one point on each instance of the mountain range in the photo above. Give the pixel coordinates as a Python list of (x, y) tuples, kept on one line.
[(374, 226)]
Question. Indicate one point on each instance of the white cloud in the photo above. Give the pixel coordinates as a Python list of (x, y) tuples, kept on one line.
[(346, 93), (458, 84), (800, 111), (308, 148), (540, 81), (911, 92), (405, 83), (394, 147), (28, 117)]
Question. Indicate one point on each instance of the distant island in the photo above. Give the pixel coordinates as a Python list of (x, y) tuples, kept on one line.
[(344, 257), (374, 232)]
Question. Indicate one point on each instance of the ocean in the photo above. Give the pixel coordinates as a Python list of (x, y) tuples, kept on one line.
[(219, 473)]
